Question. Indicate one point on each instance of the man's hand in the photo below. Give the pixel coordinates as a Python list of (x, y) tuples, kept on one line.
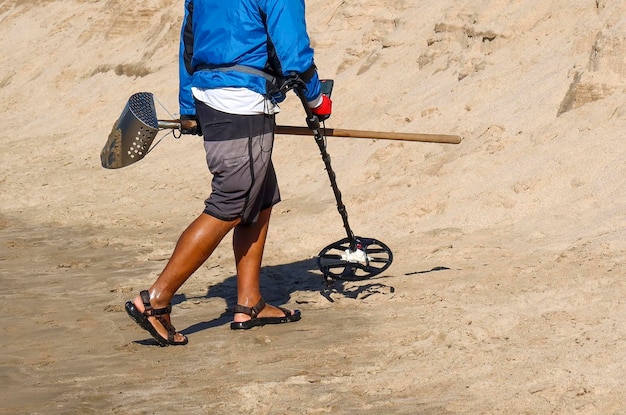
[(324, 109), (189, 125)]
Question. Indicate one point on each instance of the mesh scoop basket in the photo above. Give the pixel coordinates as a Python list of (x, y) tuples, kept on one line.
[(132, 134)]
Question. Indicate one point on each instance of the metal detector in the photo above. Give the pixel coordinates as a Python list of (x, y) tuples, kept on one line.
[(352, 258)]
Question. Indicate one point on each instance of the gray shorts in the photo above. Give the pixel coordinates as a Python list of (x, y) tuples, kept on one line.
[(239, 156)]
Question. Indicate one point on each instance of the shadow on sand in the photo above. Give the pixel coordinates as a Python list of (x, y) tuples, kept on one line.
[(278, 283)]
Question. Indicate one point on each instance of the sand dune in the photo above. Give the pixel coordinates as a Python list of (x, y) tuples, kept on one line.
[(506, 295)]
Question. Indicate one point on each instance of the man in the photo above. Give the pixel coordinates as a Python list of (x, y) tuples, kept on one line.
[(234, 57)]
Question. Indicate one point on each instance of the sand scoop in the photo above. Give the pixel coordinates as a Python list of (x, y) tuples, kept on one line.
[(351, 258), (134, 132)]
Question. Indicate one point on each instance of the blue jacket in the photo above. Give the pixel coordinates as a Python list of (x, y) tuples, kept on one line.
[(267, 35)]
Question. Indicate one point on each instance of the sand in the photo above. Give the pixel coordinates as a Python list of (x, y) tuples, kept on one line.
[(506, 294)]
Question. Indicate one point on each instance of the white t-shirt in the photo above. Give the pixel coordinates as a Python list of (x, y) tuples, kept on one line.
[(241, 101)]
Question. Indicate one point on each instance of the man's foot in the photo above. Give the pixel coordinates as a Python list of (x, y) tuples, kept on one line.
[(261, 314), (155, 321)]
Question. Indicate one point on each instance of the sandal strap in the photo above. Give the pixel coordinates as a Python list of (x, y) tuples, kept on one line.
[(250, 311), (145, 297), (171, 330), (150, 311), (158, 313)]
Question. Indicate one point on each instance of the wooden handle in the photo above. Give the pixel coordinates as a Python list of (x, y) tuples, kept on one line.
[(337, 132)]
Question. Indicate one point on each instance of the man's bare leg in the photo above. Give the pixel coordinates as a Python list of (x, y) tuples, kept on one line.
[(193, 248), (248, 246)]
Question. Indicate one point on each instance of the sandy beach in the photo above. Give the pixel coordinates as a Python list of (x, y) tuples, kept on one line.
[(507, 291)]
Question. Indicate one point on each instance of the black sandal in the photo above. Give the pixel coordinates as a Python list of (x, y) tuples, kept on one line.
[(255, 321), (142, 320)]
